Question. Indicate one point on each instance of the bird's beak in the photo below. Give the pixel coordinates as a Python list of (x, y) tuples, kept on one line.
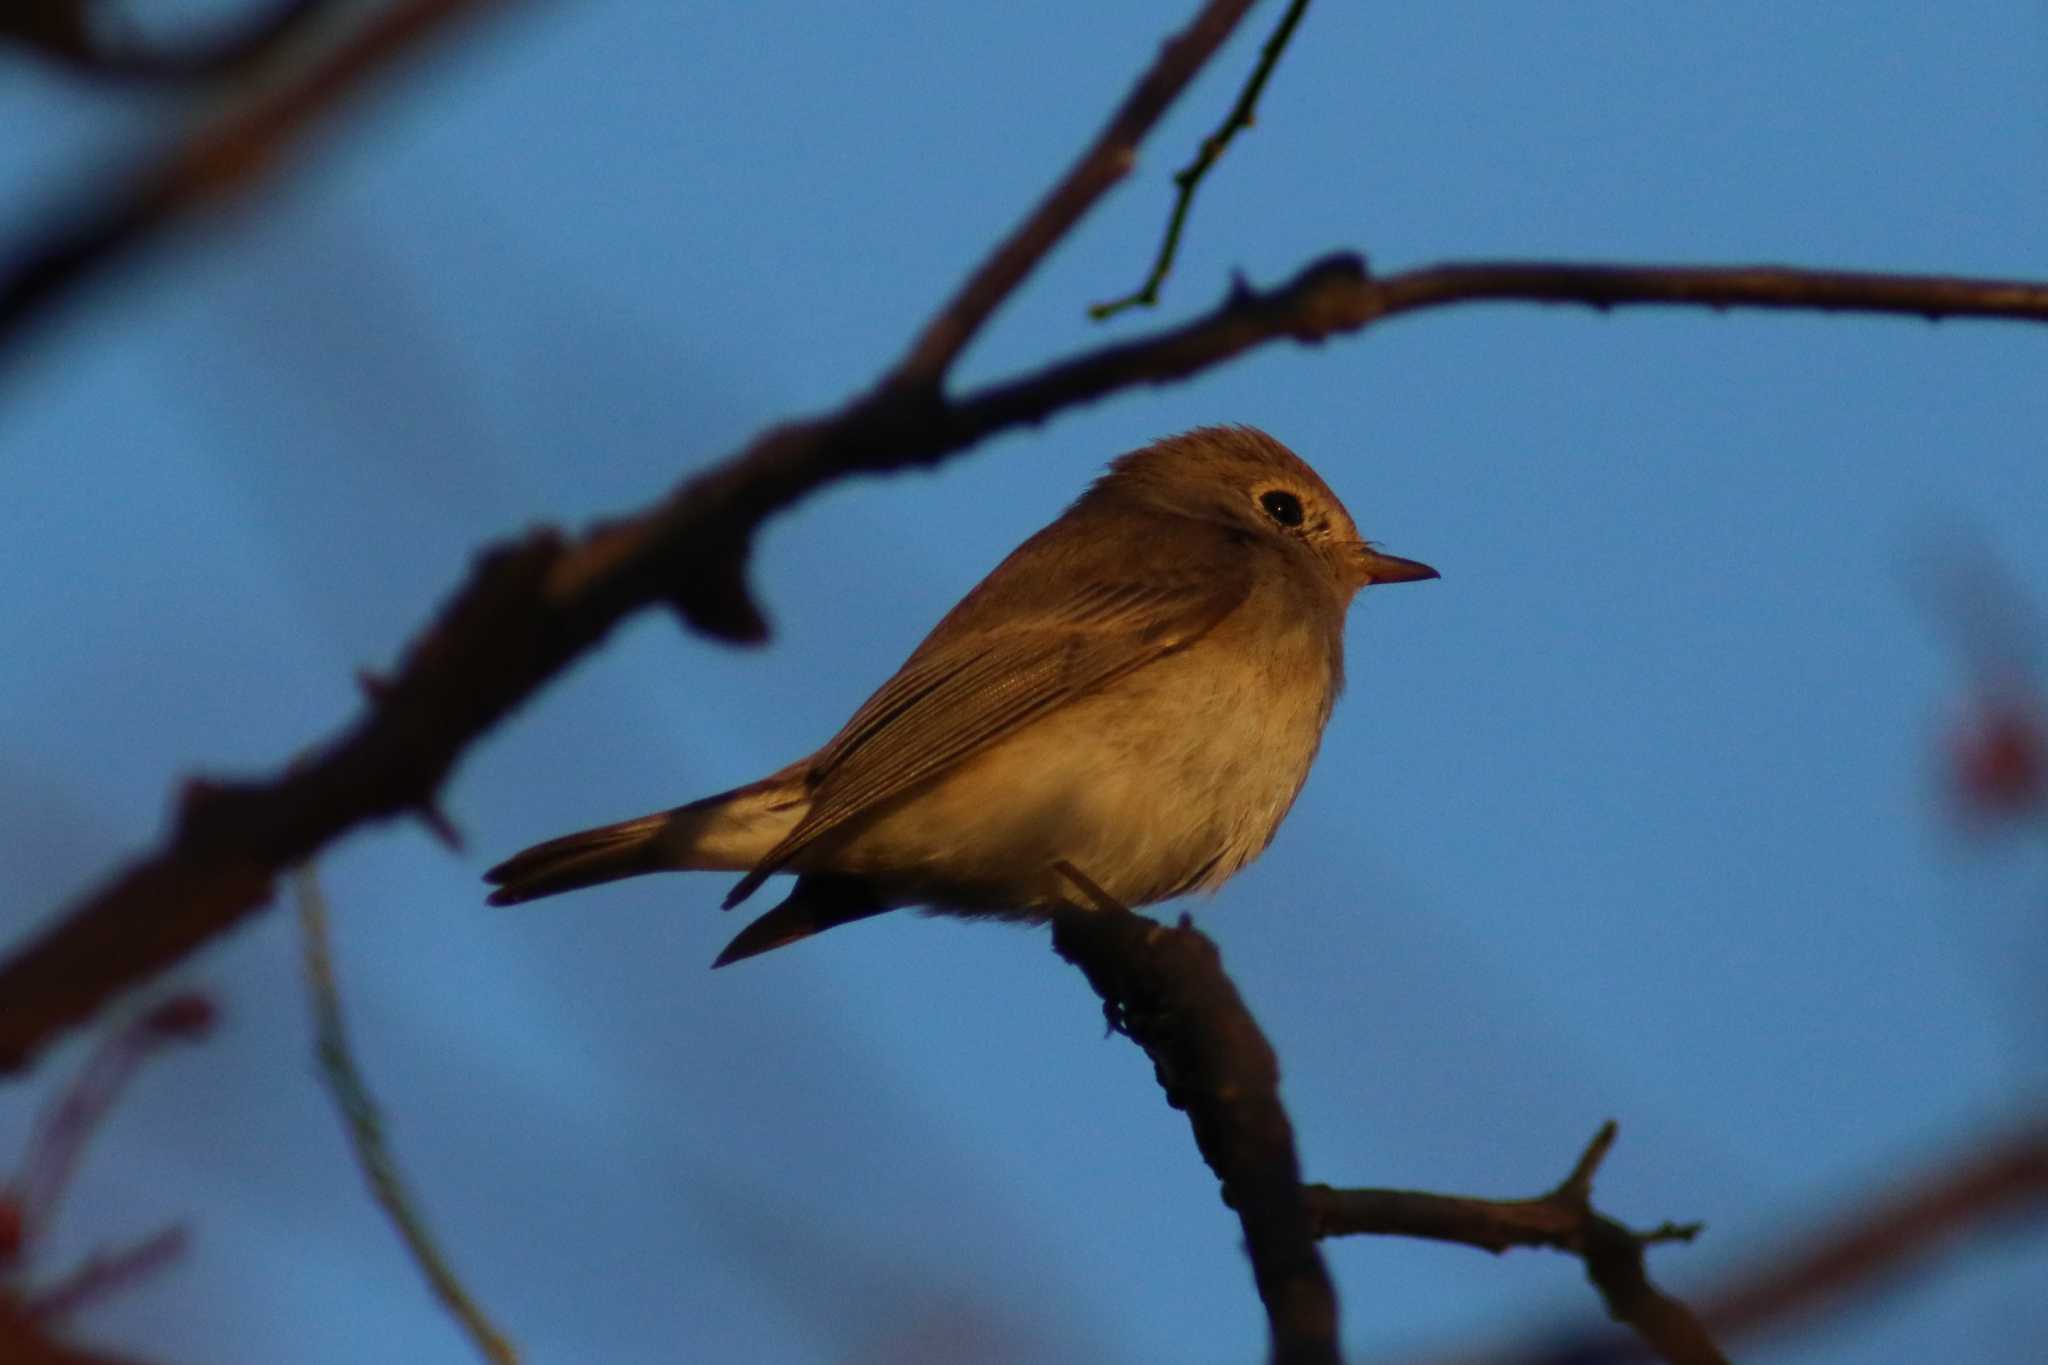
[(1375, 567)]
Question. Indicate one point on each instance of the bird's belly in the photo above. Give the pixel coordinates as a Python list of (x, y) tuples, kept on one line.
[(1168, 782)]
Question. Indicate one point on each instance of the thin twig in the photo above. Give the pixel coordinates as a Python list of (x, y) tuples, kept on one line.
[(1106, 161), (1189, 177), (58, 1142), (108, 1272), (366, 1129)]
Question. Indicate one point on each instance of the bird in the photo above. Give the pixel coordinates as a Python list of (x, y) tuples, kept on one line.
[(1136, 693)]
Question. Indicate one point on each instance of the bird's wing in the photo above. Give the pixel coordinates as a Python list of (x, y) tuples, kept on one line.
[(956, 696)]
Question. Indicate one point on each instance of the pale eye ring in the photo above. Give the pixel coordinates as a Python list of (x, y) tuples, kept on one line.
[(1282, 506)]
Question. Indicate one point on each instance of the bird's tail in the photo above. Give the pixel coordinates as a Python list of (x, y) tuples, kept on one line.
[(728, 832)]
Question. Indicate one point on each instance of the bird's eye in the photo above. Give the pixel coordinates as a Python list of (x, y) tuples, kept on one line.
[(1282, 506)]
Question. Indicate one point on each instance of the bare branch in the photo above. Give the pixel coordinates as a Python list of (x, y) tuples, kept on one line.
[(218, 161), (1108, 159), (82, 1107), (2002, 1182), (1563, 1219), (29, 1198), (232, 154), (366, 1129), (1189, 178), (1165, 989)]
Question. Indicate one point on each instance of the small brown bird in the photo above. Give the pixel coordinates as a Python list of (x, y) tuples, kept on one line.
[(1138, 691)]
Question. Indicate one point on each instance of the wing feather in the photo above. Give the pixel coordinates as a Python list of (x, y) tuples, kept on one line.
[(997, 669)]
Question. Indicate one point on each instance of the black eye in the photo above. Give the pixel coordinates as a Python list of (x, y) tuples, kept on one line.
[(1282, 506)]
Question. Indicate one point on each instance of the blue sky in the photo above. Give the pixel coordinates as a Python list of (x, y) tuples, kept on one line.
[(1639, 812)]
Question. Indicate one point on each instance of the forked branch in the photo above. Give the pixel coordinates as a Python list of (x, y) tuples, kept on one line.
[(1189, 178)]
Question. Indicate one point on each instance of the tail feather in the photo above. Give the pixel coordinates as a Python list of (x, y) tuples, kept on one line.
[(818, 903), (729, 832), (586, 858)]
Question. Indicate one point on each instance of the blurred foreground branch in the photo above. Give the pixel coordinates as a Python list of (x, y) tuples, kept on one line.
[(24, 1342), (30, 1196), (221, 159), (2001, 1180), (66, 32)]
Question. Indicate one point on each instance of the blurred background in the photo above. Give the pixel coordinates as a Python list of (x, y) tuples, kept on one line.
[(1659, 806)]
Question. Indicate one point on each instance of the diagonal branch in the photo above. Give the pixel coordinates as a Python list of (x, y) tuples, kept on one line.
[(1166, 990), (230, 155), (107, 1272), (532, 605)]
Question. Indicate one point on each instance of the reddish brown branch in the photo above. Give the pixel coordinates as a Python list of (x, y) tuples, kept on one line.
[(28, 1199), (1166, 990), (106, 1273), (80, 1109), (2007, 1180)]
